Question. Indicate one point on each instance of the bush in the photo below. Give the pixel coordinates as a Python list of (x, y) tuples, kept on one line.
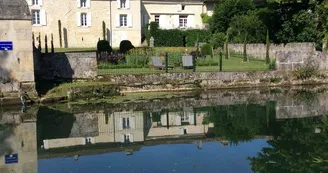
[(310, 70), (125, 46), (272, 65), (206, 50), (103, 46), (191, 36)]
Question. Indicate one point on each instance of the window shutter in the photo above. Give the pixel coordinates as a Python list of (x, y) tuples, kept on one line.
[(46, 144), (177, 120), (127, 4), (89, 19), (118, 4), (130, 24), (176, 21), (190, 21), (122, 138), (78, 3), (133, 122), (78, 19), (131, 137), (88, 4), (117, 20), (179, 7), (40, 2), (120, 126), (162, 20), (29, 2), (43, 17)]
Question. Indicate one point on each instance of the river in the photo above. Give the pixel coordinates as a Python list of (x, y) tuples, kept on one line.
[(276, 130)]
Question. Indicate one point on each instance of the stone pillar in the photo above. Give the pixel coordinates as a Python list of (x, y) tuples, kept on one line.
[(151, 42)]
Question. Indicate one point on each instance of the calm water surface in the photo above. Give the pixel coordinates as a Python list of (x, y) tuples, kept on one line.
[(271, 131)]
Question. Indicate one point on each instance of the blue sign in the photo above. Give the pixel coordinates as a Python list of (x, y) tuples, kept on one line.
[(12, 158), (6, 45)]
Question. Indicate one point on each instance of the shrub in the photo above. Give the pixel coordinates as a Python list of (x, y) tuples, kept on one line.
[(206, 50), (125, 46), (308, 71), (103, 46), (272, 65), (191, 36)]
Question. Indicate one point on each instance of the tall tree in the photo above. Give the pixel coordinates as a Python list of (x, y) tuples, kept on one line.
[(224, 12)]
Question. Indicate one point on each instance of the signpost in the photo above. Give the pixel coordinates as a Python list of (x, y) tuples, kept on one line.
[(12, 158), (6, 45)]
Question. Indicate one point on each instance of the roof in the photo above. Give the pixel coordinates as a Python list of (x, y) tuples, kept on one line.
[(174, 1), (14, 10)]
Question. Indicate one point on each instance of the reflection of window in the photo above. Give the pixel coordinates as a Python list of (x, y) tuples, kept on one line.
[(126, 138), (123, 20), (84, 19), (157, 19), (36, 17), (126, 123), (185, 118), (183, 21), (123, 4), (83, 3), (35, 2)]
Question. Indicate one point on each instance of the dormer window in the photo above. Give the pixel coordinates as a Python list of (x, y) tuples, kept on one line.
[(83, 3), (123, 4), (35, 2)]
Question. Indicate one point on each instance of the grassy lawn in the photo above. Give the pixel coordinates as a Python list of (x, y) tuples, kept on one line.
[(62, 89), (234, 64)]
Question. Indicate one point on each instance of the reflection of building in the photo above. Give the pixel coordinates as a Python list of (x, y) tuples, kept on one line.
[(18, 137), (185, 122), (125, 127), (115, 127)]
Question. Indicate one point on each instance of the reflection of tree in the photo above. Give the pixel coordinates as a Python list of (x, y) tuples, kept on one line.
[(5, 132), (297, 149), (238, 123)]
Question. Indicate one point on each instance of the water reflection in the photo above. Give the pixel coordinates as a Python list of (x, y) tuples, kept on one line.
[(226, 131)]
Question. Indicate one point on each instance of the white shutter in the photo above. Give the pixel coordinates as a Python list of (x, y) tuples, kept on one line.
[(131, 137), (78, 19), (133, 122), (40, 2), (163, 120), (120, 124), (83, 141), (127, 4), (118, 3), (176, 21), (162, 21), (190, 21), (179, 7), (130, 24), (122, 138), (117, 20), (88, 5), (43, 17), (78, 3), (89, 19), (178, 120), (29, 2), (191, 119)]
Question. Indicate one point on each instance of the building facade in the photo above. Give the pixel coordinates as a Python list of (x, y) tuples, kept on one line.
[(81, 23)]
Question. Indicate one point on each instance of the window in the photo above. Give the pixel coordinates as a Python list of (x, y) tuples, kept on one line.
[(185, 118), (157, 19), (126, 123), (183, 21), (36, 17), (83, 3), (123, 20), (35, 2), (126, 138), (84, 19), (123, 4), (183, 7)]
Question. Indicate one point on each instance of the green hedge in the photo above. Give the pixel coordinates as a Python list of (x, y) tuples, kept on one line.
[(177, 37)]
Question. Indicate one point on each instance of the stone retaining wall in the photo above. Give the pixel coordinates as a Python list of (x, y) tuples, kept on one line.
[(293, 60), (81, 65), (259, 50)]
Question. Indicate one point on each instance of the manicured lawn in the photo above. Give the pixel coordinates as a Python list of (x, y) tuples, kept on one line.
[(234, 64)]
